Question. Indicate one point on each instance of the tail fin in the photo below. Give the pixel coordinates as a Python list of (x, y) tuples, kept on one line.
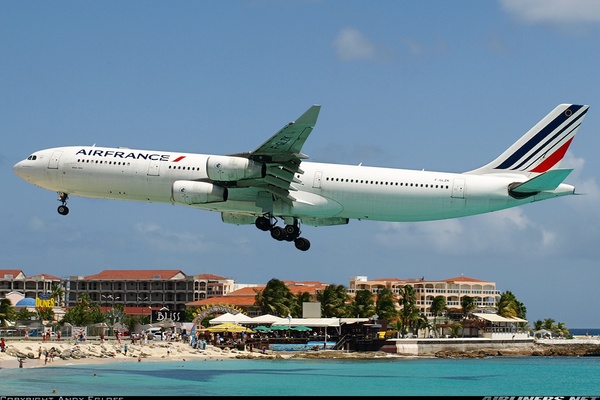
[(543, 146)]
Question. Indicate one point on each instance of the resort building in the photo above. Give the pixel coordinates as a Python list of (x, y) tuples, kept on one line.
[(15, 285), (142, 291), (171, 289), (485, 293)]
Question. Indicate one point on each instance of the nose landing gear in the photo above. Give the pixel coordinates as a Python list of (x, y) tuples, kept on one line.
[(63, 209)]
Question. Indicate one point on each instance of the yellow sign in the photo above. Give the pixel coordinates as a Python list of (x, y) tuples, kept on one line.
[(44, 303)]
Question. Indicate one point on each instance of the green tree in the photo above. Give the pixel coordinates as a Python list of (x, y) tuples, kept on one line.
[(275, 299), (454, 329), (45, 313), (24, 315), (363, 305), (7, 312), (334, 301), (510, 307), (130, 321), (85, 312), (423, 324), (409, 312), (58, 294), (190, 314), (438, 307), (385, 306), (468, 304), (561, 329), (115, 315)]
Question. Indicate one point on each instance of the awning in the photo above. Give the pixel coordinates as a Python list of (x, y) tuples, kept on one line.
[(497, 318)]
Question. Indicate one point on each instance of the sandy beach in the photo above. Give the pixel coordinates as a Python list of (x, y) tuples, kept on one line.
[(94, 351), (69, 352)]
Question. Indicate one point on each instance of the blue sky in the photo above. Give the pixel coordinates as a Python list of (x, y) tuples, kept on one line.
[(436, 85)]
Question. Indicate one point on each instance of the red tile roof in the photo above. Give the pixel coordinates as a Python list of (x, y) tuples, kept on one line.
[(49, 277), (13, 272), (135, 274), (240, 301), (210, 277), (463, 279)]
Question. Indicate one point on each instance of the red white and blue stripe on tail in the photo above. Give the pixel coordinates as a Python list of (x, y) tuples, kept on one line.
[(543, 146)]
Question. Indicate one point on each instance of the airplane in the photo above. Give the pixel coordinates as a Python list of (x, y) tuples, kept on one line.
[(274, 182)]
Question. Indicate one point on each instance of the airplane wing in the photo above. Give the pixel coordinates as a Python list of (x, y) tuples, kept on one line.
[(282, 155)]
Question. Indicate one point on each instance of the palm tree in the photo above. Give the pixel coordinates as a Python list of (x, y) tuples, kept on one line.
[(510, 307), (438, 307), (334, 301), (7, 312), (57, 294), (363, 305), (385, 306), (561, 329), (548, 324), (422, 323), (275, 298), (468, 304), (409, 312), (85, 312)]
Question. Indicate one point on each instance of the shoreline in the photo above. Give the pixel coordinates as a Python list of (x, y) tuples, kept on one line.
[(69, 352)]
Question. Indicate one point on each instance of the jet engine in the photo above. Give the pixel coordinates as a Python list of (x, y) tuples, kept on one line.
[(227, 168), (192, 192)]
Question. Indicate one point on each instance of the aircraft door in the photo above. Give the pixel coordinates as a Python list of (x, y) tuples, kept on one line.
[(317, 180), (154, 168), (54, 159), (458, 189)]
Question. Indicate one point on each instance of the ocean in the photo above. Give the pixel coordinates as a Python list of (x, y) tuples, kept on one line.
[(494, 376)]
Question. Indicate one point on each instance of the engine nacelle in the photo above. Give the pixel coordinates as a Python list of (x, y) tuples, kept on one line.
[(192, 192), (238, 219), (226, 168)]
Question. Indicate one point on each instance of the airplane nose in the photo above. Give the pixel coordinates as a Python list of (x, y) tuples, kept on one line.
[(21, 170)]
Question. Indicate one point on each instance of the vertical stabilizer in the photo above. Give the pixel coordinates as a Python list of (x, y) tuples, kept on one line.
[(543, 146)]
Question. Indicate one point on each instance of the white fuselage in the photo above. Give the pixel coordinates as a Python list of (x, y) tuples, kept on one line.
[(322, 191)]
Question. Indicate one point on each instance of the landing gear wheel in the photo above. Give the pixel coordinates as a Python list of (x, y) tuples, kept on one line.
[(63, 197), (292, 230), (278, 233), (263, 223), (302, 244)]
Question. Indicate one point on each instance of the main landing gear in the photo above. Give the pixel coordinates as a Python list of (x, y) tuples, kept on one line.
[(290, 232), (63, 209)]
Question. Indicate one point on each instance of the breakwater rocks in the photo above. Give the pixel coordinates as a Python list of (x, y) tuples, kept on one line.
[(565, 349)]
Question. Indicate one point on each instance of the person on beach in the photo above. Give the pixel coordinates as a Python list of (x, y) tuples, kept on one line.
[(21, 361), (125, 348), (39, 352), (2, 345)]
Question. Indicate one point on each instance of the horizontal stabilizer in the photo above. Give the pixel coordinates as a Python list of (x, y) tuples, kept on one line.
[(547, 181)]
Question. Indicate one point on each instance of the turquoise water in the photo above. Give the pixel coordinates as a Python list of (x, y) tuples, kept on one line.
[(502, 376)]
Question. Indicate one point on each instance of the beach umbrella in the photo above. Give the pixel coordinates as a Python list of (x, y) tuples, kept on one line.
[(302, 328), (262, 328), (229, 327), (280, 328)]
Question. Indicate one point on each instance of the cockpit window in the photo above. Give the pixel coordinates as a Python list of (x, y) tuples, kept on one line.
[(32, 157)]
